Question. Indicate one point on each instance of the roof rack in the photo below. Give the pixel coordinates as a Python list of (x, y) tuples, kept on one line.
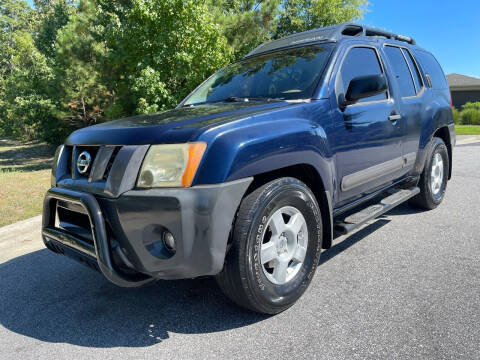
[(330, 33)]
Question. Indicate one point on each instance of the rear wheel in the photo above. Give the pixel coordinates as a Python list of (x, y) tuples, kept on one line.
[(276, 247), (433, 181)]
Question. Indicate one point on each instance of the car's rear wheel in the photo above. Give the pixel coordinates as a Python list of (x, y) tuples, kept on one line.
[(275, 249), (434, 179)]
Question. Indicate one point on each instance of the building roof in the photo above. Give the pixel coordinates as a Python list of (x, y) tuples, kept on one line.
[(460, 82)]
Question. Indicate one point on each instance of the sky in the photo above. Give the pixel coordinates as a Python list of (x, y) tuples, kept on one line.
[(450, 29)]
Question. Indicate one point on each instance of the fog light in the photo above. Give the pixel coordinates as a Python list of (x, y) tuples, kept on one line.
[(169, 241)]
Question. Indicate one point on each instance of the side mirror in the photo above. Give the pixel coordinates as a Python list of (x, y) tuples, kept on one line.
[(363, 87)]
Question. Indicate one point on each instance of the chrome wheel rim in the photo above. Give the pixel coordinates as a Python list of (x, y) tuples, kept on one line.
[(284, 245), (436, 181)]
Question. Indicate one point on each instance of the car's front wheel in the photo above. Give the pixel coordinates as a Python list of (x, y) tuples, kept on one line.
[(275, 249)]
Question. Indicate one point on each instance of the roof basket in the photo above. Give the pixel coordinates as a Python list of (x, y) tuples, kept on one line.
[(330, 33)]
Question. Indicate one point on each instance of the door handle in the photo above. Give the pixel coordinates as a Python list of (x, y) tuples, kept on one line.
[(394, 117)]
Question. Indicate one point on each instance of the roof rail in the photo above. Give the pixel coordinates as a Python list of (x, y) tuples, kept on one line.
[(389, 35), (330, 33)]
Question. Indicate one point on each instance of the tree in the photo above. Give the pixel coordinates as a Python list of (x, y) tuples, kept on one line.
[(25, 107), (303, 15), (248, 23), (158, 51), (67, 63), (52, 16), (27, 110), (15, 16), (78, 81)]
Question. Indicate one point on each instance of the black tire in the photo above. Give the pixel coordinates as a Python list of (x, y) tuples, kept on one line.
[(427, 199), (243, 279)]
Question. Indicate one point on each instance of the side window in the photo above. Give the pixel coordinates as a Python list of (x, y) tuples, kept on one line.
[(416, 73), (431, 67), (401, 70), (360, 61)]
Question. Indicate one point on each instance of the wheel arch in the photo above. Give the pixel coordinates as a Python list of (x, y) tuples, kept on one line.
[(309, 175), (444, 134)]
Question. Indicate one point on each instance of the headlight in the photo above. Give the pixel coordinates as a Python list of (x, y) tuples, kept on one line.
[(171, 165)]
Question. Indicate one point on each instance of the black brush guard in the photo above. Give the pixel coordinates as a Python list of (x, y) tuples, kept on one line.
[(100, 252)]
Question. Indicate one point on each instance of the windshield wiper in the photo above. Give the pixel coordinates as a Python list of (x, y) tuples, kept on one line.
[(240, 99), (237, 99), (247, 99)]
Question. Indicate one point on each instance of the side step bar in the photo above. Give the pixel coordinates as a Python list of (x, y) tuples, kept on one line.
[(356, 220)]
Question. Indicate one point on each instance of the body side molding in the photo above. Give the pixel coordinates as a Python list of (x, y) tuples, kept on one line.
[(364, 176)]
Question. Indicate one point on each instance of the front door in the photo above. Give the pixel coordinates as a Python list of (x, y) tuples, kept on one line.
[(368, 134)]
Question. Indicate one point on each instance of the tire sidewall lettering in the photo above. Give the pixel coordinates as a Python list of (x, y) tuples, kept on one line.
[(275, 201), (439, 148)]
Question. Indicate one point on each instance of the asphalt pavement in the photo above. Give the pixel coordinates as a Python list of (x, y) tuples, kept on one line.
[(406, 286)]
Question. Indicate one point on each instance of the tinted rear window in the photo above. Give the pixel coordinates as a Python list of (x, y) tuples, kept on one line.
[(431, 67), (402, 72), (414, 68)]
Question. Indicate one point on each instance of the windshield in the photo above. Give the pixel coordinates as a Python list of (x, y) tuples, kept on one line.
[(284, 75)]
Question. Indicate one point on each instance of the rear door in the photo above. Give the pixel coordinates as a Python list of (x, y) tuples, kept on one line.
[(367, 137), (408, 90)]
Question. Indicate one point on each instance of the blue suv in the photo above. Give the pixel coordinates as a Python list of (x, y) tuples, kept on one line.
[(254, 173)]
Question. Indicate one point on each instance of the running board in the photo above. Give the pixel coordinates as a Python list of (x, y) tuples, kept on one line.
[(356, 220)]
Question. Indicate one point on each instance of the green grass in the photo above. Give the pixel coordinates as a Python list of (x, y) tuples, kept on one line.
[(467, 129), (24, 178)]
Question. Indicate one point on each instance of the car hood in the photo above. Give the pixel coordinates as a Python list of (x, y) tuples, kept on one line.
[(173, 126)]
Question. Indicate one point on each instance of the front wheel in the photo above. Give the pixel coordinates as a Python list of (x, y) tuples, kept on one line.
[(275, 249), (433, 181)]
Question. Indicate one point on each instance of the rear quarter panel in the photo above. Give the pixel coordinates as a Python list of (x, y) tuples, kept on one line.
[(437, 114)]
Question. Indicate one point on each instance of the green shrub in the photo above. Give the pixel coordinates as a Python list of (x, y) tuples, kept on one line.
[(457, 117), (471, 105), (471, 116)]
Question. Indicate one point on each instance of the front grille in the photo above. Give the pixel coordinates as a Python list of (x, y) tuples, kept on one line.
[(110, 162), (112, 172), (78, 150), (101, 162)]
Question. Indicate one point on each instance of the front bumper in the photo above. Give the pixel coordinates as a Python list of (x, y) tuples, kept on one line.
[(126, 233)]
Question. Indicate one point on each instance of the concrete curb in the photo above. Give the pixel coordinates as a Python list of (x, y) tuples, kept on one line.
[(20, 226), (20, 238), (467, 139)]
